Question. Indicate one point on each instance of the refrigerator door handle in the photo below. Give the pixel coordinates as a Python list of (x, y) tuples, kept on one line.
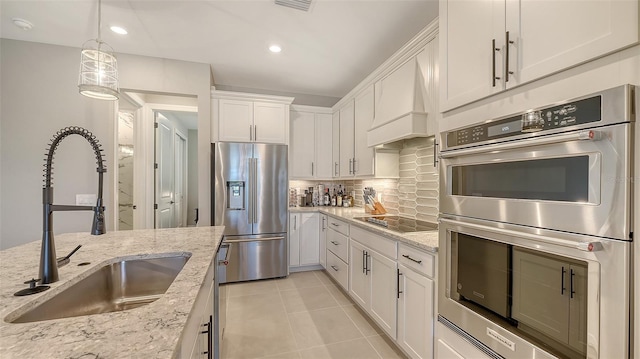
[(255, 190), (251, 191)]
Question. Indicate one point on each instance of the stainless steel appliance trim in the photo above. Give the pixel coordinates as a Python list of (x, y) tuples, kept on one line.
[(253, 239), (584, 135), (471, 340), (617, 107)]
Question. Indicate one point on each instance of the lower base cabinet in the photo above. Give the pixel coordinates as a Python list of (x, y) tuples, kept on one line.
[(304, 246), (415, 313)]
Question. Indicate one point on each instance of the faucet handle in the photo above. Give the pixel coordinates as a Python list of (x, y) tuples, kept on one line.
[(32, 282)]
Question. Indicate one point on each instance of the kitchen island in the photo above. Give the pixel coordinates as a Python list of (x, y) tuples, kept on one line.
[(150, 331)]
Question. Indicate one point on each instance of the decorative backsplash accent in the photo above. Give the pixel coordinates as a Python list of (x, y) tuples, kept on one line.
[(414, 194)]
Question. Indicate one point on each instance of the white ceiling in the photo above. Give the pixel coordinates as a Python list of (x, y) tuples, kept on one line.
[(326, 51)]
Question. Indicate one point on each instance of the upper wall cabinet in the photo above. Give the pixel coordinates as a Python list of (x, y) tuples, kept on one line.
[(310, 152), (243, 117), (489, 46)]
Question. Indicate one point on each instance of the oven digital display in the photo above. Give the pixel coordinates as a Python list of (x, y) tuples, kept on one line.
[(504, 128)]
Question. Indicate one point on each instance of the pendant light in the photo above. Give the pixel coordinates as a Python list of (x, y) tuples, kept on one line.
[(98, 68)]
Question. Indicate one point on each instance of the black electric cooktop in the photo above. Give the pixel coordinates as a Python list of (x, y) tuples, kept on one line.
[(399, 224)]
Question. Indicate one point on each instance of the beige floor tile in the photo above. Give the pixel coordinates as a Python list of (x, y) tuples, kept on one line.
[(306, 299), (320, 327), (257, 338), (266, 306), (364, 324), (324, 277), (289, 355), (339, 295), (249, 288), (299, 280), (385, 347), (354, 349)]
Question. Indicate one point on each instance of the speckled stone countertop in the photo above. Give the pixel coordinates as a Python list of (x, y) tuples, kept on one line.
[(150, 331), (427, 240)]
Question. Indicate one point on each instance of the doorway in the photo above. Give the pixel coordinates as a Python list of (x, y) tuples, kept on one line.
[(156, 172)]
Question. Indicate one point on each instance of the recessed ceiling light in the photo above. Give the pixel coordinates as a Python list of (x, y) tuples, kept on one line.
[(119, 30), (275, 48), (22, 23)]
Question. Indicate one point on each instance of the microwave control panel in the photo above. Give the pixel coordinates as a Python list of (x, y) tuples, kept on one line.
[(568, 114)]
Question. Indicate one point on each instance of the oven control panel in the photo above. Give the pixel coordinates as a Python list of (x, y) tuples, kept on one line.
[(569, 114)]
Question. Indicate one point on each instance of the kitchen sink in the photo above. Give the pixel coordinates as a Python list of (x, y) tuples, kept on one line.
[(121, 285)]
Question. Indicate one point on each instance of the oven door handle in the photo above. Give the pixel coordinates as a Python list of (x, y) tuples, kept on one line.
[(590, 246), (588, 135)]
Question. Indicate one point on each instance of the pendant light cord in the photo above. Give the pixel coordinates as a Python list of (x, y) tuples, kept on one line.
[(99, 20)]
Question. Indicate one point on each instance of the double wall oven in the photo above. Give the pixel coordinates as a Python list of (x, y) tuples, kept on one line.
[(536, 230)]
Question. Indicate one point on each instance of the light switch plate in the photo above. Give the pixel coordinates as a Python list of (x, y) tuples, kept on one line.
[(86, 199)]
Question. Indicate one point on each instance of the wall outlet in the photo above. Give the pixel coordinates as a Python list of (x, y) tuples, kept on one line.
[(86, 199)]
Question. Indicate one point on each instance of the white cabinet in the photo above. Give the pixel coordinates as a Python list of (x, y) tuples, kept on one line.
[(492, 45), (198, 330), (244, 117), (356, 158), (304, 246), (347, 131), (415, 313), (373, 277), (363, 155), (310, 153), (324, 228), (337, 243)]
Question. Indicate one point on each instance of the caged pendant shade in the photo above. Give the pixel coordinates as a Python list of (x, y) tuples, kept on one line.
[(98, 68)]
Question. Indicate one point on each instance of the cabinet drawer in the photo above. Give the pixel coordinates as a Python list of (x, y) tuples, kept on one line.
[(416, 259), (338, 225), (338, 243), (338, 269), (382, 245)]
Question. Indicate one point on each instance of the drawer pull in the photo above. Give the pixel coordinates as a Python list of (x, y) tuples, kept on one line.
[(335, 243), (334, 268), (335, 224), (411, 259)]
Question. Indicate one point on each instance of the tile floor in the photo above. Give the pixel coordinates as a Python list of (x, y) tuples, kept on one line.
[(303, 316)]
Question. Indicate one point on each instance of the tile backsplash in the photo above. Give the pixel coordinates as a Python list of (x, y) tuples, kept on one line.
[(414, 194)]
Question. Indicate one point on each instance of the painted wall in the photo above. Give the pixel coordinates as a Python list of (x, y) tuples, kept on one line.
[(192, 184), (39, 97)]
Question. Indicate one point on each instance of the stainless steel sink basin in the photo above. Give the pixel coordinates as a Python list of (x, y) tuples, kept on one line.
[(122, 285)]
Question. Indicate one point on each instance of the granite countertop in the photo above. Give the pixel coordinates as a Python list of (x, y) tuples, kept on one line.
[(427, 240), (150, 331)]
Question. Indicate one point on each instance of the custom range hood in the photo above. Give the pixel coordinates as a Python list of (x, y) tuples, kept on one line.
[(405, 104)]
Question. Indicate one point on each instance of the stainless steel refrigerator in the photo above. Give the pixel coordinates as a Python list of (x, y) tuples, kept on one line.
[(250, 198)]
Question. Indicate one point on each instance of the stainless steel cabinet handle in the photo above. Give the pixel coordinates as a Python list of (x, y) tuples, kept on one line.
[(354, 166), (571, 283), (334, 268), (366, 263), (398, 282), (506, 71), (295, 222), (335, 224), (312, 168), (335, 169), (323, 224), (411, 259), (335, 243), (255, 132), (209, 333), (435, 153), (250, 132), (562, 281), (493, 62), (350, 165)]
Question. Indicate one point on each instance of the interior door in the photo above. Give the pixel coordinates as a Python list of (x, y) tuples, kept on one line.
[(180, 180), (164, 172)]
